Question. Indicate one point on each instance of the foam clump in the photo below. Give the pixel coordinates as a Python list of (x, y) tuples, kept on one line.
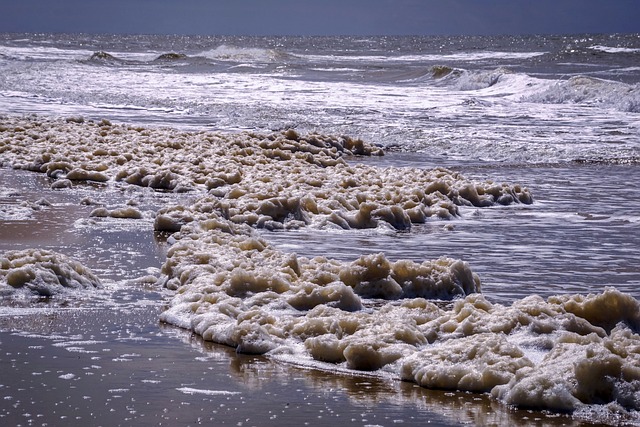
[(373, 314), (475, 363), (43, 273), (273, 181), (236, 289), (561, 354), (580, 370), (126, 212)]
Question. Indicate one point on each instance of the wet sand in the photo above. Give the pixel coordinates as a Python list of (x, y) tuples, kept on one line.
[(108, 367), (103, 358)]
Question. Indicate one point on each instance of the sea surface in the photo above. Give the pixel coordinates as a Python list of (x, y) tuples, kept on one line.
[(559, 115)]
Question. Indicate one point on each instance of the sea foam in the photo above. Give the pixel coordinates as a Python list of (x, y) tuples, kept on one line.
[(424, 322), (274, 181), (43, 273)]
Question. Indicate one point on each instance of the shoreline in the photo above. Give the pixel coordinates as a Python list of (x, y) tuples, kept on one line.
[(196, 232)]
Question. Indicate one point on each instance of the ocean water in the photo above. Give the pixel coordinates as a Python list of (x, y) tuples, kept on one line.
[(559, 115)]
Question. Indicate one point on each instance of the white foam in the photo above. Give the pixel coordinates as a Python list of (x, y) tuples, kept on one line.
[(67, 376), (590, 91), (442, 58), (43, 273), (44, 53), (240, 54), (77, 343), (15, 213), (611, 49), (190, 390)]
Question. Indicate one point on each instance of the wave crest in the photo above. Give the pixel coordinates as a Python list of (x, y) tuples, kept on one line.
[(102, 56), (591, 91), (243, 54), (466, 80), (609, 49), (171, 56)]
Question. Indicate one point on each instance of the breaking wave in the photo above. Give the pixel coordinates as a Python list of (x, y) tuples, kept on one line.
[(243, 54), (458, 78), (583, 90), (614, 50), (591, 91), (171, 56), (103, 57)]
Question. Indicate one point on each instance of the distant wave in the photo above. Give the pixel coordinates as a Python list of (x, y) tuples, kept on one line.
[(171, 56), (474, 80), (42, 53), (473, 56), (426, 57), (468, 80), (575, 90), (609, 161), (243, 54), (102, 56), (439, 71), (591, 91), (608, 49), (457, 78)]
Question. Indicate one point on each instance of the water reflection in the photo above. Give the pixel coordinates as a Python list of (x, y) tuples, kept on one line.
[(395, 401)]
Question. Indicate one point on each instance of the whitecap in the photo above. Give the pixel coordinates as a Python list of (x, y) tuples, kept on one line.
[(190, 390), (617, 49)]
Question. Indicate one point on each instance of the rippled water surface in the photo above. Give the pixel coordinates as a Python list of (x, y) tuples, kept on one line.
[(580, 235)]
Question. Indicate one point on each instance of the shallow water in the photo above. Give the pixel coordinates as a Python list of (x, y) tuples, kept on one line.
[(81, 368), (115, 250), (579, 236)]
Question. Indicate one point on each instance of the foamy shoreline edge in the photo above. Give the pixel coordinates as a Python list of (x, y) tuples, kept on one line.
[(476, 346)]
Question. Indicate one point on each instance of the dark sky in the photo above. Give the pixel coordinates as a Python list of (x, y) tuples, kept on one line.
[(321, 17)]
